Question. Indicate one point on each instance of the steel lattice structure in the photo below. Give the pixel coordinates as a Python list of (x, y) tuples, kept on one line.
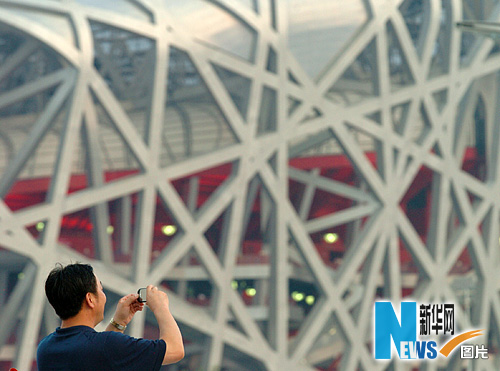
[(158, 92)]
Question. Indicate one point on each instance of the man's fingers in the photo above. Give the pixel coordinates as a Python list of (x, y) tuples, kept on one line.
[(129, 299), (151, 288)]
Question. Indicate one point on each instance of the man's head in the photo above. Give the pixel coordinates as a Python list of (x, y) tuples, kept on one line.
[(71, 287)]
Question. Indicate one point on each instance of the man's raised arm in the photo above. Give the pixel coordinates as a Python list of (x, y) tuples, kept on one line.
[(157, 301)]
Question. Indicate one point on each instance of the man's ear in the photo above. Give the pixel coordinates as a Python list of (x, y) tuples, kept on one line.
[(90, 300)]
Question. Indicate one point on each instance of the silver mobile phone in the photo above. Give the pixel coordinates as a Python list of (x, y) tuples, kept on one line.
[(142, 295)]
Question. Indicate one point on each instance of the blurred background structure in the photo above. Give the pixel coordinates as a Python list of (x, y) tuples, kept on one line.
[(277, 165)]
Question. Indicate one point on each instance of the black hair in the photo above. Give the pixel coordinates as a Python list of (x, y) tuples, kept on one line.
[(66, 288)]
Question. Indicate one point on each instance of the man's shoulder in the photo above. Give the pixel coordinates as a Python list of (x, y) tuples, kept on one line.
[(45, 340), (113, 336), (83, 351), (118, 341), (73, 337)]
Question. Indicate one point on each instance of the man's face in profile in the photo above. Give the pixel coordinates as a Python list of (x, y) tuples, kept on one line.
[(100, 300)]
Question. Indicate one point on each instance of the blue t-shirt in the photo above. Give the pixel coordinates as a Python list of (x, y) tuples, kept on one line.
[(83, 348)]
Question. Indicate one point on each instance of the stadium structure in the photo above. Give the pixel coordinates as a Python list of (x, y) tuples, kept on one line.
[(276, 166)]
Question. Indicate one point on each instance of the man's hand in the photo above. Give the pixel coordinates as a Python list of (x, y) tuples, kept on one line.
[(126, 308), (156, 299)]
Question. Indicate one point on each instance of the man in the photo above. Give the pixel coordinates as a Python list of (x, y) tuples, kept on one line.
[(78, 298)]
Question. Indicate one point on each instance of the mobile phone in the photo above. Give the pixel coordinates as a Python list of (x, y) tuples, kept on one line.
[(142, 295)]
